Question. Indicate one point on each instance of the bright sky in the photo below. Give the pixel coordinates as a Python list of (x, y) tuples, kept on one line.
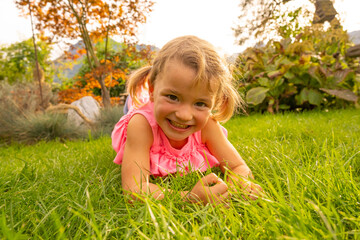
[(212, 20)]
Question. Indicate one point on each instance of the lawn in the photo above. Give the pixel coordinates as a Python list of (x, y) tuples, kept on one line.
[(307, 163)]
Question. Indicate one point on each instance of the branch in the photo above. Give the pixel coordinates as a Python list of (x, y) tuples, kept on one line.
[(64, 107)]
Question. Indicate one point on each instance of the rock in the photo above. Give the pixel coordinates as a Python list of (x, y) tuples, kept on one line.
[(88, 106)]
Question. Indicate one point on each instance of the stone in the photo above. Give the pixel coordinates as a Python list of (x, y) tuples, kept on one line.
[(88, 106)]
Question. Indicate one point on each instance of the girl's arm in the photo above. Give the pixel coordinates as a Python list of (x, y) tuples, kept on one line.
[(135, 170), (224, 151)]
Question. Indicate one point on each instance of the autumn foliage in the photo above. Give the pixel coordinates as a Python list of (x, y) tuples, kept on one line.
[(115, 69)]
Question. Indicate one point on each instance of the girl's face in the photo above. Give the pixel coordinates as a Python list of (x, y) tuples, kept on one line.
[(180, 108)]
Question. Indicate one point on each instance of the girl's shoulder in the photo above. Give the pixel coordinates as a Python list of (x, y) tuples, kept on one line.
[(138, 124), (139, 131), (147, 111)]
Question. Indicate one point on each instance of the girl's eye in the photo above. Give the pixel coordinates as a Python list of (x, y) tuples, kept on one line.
[(201, 104), (172, 97)]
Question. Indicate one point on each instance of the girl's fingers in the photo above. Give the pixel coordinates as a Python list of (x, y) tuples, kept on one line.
[(219, 198), (254, 191), (210, 179), (220, 188)]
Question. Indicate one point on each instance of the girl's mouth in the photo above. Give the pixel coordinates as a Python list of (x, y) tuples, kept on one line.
[(178, 125)]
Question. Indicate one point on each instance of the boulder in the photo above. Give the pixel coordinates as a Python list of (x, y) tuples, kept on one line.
[(88, 106)]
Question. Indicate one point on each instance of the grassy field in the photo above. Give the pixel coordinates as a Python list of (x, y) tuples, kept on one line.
[(308, 163)]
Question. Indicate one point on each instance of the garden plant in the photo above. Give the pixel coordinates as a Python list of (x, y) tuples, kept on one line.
[(305, 69)]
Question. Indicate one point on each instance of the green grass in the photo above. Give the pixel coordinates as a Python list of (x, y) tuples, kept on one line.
[(308, 163)]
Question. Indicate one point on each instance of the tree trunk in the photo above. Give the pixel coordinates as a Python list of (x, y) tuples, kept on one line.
[(36, 60), (90, 53), (105, 94)]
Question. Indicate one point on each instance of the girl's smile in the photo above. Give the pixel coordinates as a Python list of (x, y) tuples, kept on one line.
[(180, 107), (177, 126)]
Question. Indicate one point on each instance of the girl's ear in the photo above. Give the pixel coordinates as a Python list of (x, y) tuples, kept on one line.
[(151, 93)]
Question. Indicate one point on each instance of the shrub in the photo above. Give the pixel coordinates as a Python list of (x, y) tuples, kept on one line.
[(22, 119), (33, 127), (107, 120), (305, 72), (25, 97)]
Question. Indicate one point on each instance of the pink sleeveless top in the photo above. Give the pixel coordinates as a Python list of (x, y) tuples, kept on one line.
[(164, 159)]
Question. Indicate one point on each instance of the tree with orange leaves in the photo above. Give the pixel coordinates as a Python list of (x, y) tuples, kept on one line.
[(118, 65), (89, 20)]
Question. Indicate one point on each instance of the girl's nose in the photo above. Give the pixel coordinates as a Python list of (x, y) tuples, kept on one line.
[(184, 113)]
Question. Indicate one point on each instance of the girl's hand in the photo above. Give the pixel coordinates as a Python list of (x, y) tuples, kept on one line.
[(250, 190), (205, 191)]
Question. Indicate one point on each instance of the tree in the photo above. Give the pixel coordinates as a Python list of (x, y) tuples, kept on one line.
[(89, 20), (17, 61), (120, 61), (260, 18)]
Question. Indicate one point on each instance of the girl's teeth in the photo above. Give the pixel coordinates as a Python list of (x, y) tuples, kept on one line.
[(175, 124)]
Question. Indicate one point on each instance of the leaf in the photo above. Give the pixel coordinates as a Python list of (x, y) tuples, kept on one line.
[(341, 75), (279, 82), (278, 46), (256, 95), (305, 59), (274, 74), (345, 94), (314, 97), (319, 73), (264, 82), (289, 75), (303, 96), (283, 61)]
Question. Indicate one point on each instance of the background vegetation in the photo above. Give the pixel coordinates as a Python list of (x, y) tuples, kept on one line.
[(307, 68), (17, 61)]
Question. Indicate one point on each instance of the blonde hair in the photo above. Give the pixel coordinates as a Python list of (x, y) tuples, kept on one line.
[(211, 70)]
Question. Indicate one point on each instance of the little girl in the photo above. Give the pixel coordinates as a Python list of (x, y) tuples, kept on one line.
[(173, 123)]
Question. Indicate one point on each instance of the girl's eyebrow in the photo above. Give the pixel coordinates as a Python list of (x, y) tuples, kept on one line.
[(207, 100), (170, 90)]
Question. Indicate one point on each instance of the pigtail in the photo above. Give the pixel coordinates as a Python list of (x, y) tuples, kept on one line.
[(228, 102), (137, 82)]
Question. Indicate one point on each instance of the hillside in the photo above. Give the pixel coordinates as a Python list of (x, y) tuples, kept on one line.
[(355, 36)]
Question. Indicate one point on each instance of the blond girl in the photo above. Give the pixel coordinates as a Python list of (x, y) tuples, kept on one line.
[(173, 123)]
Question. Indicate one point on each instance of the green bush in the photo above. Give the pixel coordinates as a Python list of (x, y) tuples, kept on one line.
[(33, 127), (107, 120), (303, 72), (17, 61)]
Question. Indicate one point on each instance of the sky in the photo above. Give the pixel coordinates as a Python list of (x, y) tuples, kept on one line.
[(211, 20)]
